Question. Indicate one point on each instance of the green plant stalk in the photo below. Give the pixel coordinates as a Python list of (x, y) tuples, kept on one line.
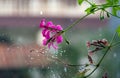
[(108, 48), (112, 14), (77, 21), (99, 62), (89, 2), (115, 44), (107, 6)]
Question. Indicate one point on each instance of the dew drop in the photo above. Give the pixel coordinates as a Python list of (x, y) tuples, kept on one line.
[(28, 55), (8, 49), (56, 55), (18, 47), (82, 67), (114, 55), (30, 70), (38, 55), (52, 56), (64, 51), (42, 52), (60, 54), (31, 58), (65, 69), (71, 20), (54, 76), (41, 12), (100, 35), (37, 51), (48, 67)]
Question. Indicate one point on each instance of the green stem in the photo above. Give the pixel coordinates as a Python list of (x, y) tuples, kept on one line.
[(99, 62), (77, 21), (108, 48), (112, 14), (115, 44), (69, 65), (113, 38), (89, 2), (107, 6)]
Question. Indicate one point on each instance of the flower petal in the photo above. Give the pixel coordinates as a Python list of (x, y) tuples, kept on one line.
[(59, 39), (58, 27), (51, 34), (42, 23), (55, 46), (44, 42), (49, 24), (49, 44), (44, 32), (47, 35)]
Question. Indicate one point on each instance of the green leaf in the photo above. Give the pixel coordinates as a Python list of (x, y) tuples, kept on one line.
[(80, 2), (101, 15), (108, 1), (108, 15), (102, 18), (118, 30), (81, 74), (67, 41), (90, 59), (112, 1), (115, 1), (90, 10), (114, 11)]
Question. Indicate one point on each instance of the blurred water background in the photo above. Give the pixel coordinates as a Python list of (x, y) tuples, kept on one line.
[(20, 39)]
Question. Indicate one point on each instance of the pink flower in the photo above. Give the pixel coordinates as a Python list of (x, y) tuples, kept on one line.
[(88, 44), (97, 44), (90, 52), (105, 75), (51, 33), (105, 42)]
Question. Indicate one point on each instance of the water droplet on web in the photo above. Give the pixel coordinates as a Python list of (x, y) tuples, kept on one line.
[(64, 51), (43, 52), (56, 63), (48, 67), (41, 12), (38, 55), (65, 69), (52, 71), (28, 55), (30, 70), (82, 67), (114, 55), (100, 34), (18, 47), (60, 54), (8, 49), (37, 51), (100, 29), (53, 57), (31, 58), (54, 76), (71, 20), (56, 55)]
